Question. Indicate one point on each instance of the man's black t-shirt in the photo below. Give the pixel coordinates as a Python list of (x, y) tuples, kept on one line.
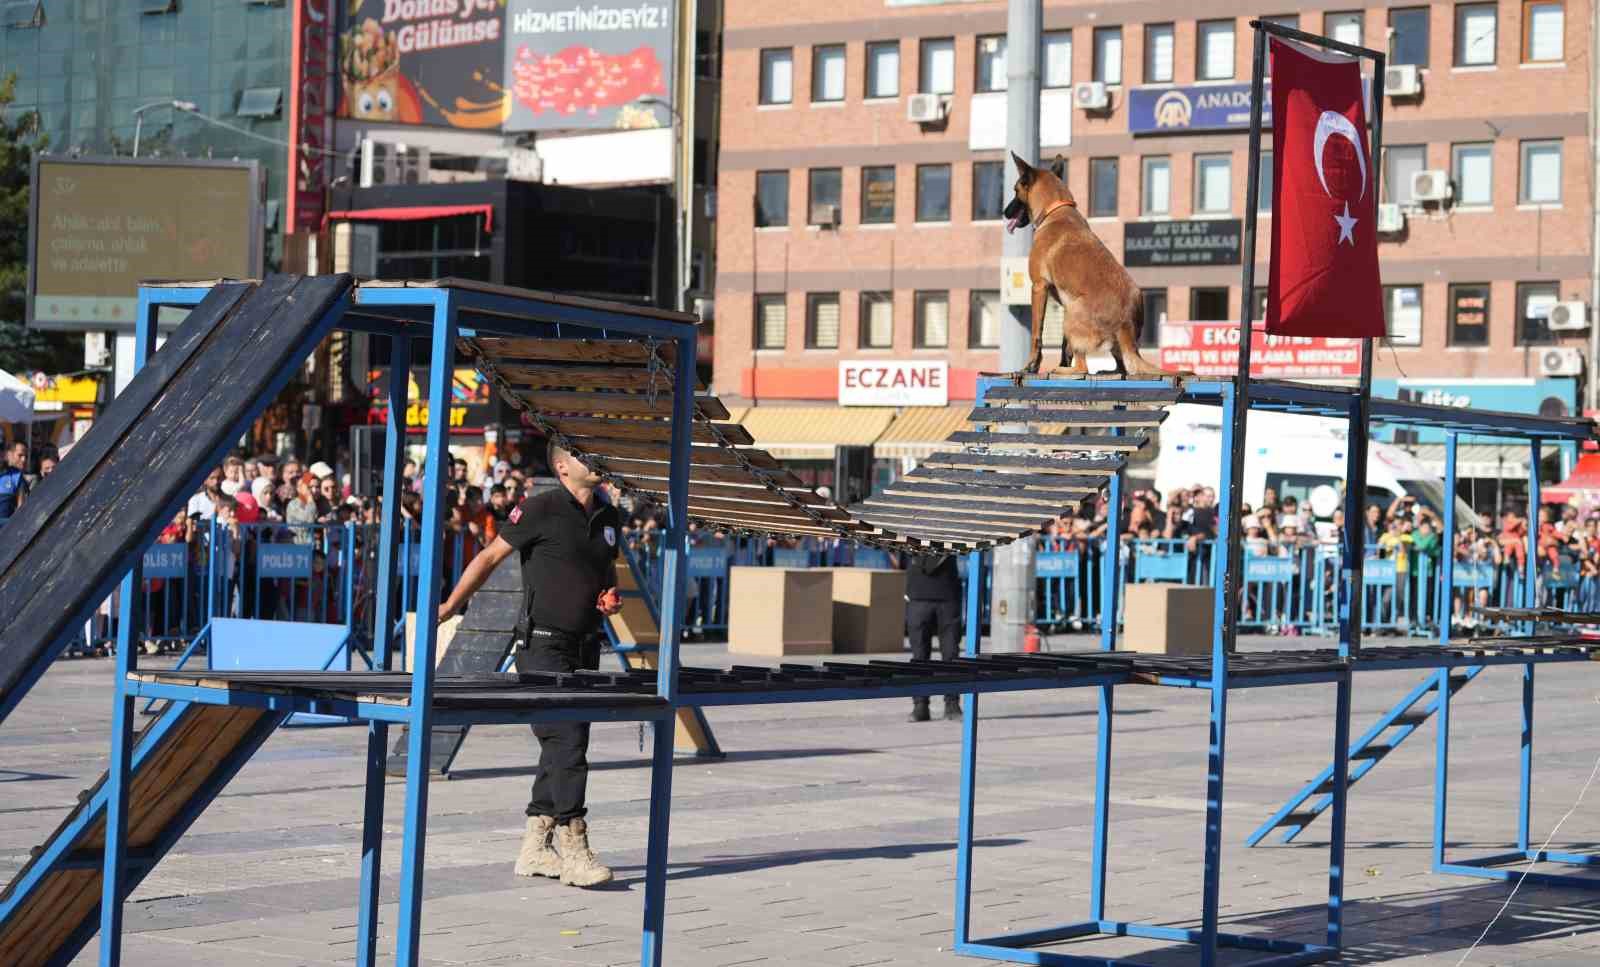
[(568, 557), (932, 578)]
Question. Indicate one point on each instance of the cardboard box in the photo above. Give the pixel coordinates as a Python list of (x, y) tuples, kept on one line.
[(780, 611), (1167, 619), (869, 610), (447, 634)]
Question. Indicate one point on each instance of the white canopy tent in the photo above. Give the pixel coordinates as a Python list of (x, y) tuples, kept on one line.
[(16, 400)]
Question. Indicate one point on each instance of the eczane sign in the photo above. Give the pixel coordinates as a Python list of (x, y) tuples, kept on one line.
[(894, 382)]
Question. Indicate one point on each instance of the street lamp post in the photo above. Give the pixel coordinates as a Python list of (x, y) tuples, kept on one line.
[(138, 116), (680, 188)]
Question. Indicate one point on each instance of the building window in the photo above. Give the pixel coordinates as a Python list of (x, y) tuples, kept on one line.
[(883, 69), (1108, 55), (1400, 162), (822, 320), (1543, 31), (991, 63), (1408, 36), (1345, 27), (936, 72), (1475, 30), (1469, 314), (933, 193), (988, 190), (1208, 304), (777, 75), (1102, 187), (1155, 185), (1055, 59), (877, 195), (1541, 173), (1155, 316), (932, 320), (827, 73), (772, 321), (772, 199), (1264, 184), (1402, 314), (983, 324), (877, 320), (1214, 50), (1158, 54), (823, 198), (1472, 169), (1213, 183), (1534, 302)]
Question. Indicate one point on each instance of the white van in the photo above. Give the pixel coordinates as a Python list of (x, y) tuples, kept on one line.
[(1293, 454)]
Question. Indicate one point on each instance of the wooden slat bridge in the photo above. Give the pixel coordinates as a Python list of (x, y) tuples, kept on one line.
[(1034, 452)]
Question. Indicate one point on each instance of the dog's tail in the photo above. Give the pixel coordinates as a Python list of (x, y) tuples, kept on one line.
[(1138, 316)]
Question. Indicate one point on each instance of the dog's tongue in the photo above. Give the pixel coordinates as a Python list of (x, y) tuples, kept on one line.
[(1012, 223)]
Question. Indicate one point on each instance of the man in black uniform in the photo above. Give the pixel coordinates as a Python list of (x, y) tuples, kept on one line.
[(567, 538), (933, 605)]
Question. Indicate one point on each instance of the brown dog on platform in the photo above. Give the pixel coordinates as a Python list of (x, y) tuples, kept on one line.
[(1101, 304)]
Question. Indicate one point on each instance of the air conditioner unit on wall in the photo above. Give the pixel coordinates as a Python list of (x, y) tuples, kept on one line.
[(1402, 80), (1091, 96), (1430, 185), (524, 164), (925, 108), (826, 216), (1568, 317), (1561, 361), (1391, 219), (392, 163)]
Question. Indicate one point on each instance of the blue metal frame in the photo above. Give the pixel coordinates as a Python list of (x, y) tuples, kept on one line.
[(445, 312)]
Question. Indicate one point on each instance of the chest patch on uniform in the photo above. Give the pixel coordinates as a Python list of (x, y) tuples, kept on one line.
[(515, 515), (611, 536)]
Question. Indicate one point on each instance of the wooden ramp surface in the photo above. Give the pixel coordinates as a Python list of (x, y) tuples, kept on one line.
[(51, 908), (84, 525)]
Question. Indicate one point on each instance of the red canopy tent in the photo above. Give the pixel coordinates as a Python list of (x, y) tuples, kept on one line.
[(1582, 485)]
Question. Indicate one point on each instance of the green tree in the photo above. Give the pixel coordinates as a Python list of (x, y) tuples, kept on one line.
[(22, 348)]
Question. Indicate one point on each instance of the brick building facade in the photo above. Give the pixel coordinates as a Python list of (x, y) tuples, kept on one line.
[(815, 104)]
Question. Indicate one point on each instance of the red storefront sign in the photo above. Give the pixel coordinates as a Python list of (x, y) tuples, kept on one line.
[(310, 113), (1212, 349)]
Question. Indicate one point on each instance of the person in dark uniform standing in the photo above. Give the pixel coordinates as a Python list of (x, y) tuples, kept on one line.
[(567, 539), (933, 606)]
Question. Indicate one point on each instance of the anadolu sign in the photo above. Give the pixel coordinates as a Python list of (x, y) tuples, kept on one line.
[(894, 382)]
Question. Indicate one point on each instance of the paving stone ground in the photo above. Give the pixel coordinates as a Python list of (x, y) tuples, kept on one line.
[(827, 836)]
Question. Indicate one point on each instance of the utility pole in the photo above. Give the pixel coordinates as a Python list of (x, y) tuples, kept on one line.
[(1012, 609)]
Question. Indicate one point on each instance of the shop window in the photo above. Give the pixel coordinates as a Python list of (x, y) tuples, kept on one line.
[(1469, 314), (1402, 314)]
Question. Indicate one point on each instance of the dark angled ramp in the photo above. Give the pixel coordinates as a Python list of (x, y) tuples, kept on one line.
[(83, 527), (479, 647)]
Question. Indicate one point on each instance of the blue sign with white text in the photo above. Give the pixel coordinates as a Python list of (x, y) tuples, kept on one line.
[(1278, 569), (1055, 564), (166, 561), (1191, 108), (1546, 396), (708, 562), (284, 561)]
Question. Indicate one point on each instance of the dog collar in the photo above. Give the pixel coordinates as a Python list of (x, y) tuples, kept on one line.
[(1061, 203)]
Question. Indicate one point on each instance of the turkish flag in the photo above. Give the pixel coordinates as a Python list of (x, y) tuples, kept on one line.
[(1324, 276)]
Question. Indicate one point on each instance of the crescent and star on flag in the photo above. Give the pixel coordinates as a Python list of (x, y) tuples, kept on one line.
[(1331, 124)]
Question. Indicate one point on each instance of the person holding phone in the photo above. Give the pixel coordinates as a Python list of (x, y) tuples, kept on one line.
[(567, 539)]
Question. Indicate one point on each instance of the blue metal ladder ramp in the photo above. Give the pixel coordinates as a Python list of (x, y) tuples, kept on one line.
[(182, 761), (1393, 728)]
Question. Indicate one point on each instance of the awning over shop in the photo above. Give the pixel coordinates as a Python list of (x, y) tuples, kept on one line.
[(1491, 460), (920, 431), (812, 432), (1583, 485), (412, 213)]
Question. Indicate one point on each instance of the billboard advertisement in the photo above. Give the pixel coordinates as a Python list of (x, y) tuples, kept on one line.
[(587, 66), (423, 62), (100, 226)]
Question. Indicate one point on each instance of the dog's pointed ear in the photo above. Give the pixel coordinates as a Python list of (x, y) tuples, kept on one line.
[(1024, 170), (1058, 167)]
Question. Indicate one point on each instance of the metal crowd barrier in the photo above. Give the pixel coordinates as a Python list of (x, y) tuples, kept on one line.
[(318, 572)]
